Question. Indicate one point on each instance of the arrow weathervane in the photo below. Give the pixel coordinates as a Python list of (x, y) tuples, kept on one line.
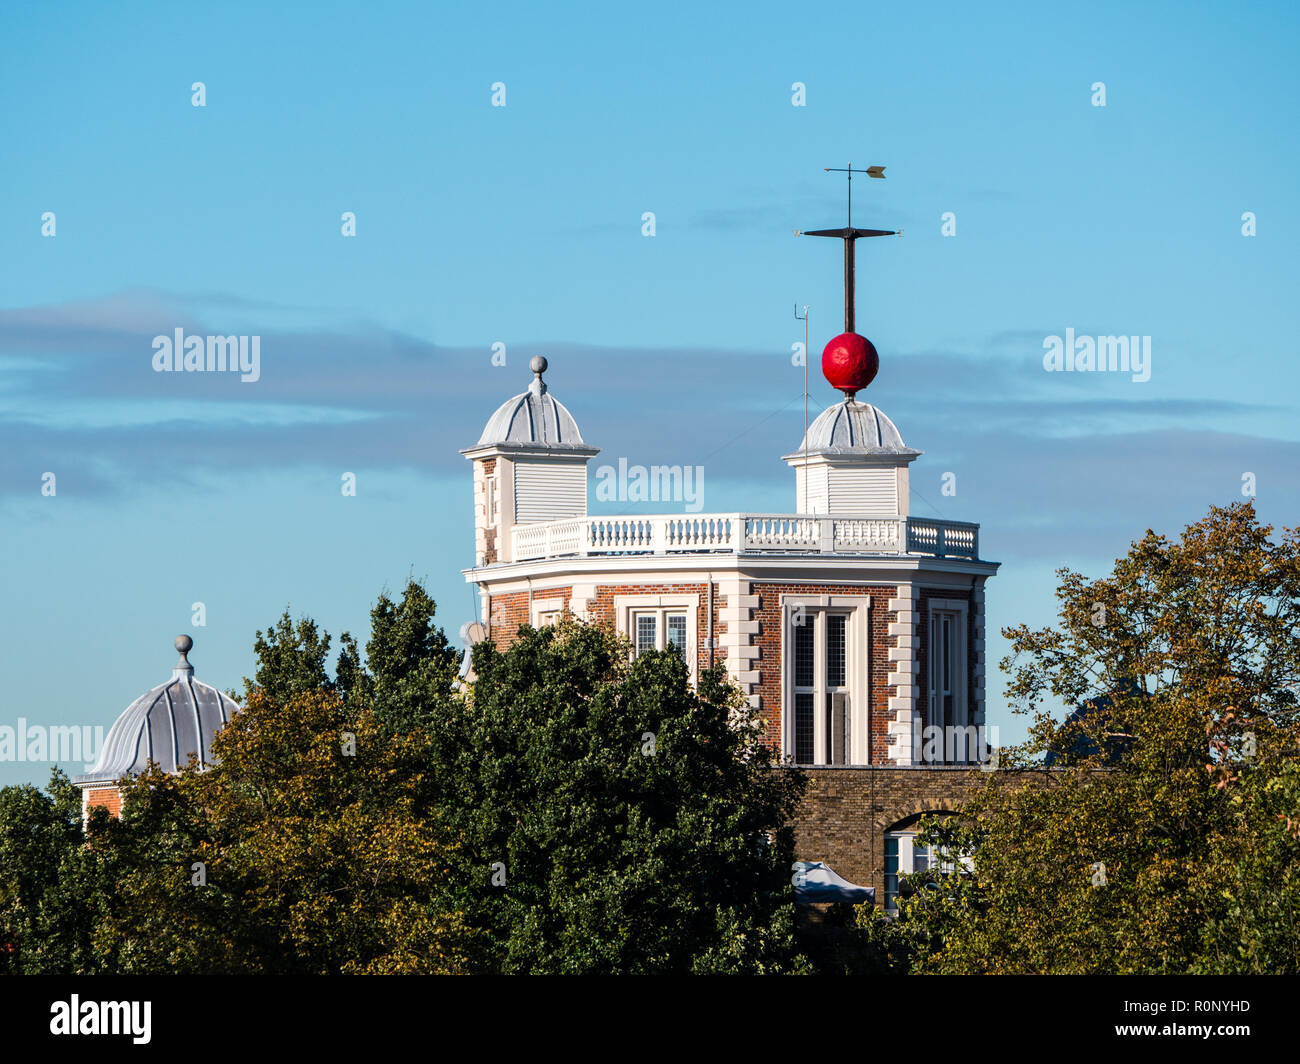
[(850, 235)]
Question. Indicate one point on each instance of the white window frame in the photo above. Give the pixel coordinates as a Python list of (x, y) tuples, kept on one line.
[(907, 863), (628, 607), (544, 608), (958, 610), (857, 672), (660, 616), (490, 499)]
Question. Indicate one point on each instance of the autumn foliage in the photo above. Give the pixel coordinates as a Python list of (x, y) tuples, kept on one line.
[(1148, 825)]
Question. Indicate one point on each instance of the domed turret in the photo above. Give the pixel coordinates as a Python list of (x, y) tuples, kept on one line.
[(166, 725), (852, 461), (534, 418), (853, 427), (530, 465)]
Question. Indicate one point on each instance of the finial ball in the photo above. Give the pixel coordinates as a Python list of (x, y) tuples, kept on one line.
[(184, 644), (538, 364), (850, 362)]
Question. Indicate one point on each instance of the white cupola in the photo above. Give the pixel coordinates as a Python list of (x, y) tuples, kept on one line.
[(530, 465), (852, 463)]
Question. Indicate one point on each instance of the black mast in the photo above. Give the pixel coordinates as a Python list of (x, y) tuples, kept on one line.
[(850, 236)]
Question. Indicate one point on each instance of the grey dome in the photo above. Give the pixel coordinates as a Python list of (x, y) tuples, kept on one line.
[(852, 427), (534, 417), (529, 418), (165, 724)]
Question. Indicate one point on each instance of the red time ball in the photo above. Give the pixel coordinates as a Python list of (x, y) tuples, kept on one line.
[(850, 363)]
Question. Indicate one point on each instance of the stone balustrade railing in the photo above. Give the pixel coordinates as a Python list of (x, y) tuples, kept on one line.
[(752, 533)]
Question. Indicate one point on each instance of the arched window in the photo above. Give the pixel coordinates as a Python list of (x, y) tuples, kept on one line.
[(904, 855)]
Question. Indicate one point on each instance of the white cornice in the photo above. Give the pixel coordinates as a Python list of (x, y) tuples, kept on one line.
[(555, 451), (843, 568)]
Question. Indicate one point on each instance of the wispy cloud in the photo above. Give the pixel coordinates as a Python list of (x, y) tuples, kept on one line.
[(1044, 467)]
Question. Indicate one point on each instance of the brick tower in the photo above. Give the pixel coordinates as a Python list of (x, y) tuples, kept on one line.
[(855, 628), (850, 624)]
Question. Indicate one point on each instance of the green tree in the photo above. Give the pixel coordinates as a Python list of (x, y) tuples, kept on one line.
[(290, 659), (613, 819), (309, 848), (407, 674), (312, 845), (1213, 615), (50, 886), (1164, 839), (411, 665)]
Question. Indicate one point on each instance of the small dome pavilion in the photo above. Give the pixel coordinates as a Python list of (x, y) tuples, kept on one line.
[(166, 725)]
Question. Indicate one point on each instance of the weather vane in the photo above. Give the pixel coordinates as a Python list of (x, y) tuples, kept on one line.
[(850, 236)]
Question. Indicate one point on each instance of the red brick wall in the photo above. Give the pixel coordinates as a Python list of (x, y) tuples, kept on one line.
[(509, 611), (109, 797), (770, 666), (603, 612), (506, 612)]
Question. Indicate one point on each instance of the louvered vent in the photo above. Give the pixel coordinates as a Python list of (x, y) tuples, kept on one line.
[(811, 499), (864, 492), (549, 491)]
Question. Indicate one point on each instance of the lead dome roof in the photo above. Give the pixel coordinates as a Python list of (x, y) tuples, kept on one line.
[(533, 419), (852, 427), (166, 725)]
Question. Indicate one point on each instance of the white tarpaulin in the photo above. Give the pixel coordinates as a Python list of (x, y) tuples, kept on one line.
[(816, 882)]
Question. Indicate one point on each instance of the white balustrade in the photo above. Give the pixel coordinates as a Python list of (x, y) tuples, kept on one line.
[(875, 534), (782, 532), (735, 533)]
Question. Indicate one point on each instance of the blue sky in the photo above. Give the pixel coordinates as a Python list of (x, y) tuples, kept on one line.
[(522, 225)]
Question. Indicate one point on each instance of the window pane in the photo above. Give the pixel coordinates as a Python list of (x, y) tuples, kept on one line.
[(838, 730), (677, 633), (835, 627), (803, 729), (646, 628), (803, 652), (945, 651), (891, 871)]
